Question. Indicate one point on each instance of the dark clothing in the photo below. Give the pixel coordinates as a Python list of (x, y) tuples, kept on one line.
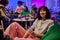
[(3, 17), (14, 15)]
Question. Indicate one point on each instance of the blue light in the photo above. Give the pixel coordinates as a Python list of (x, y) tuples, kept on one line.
[(53, 5)]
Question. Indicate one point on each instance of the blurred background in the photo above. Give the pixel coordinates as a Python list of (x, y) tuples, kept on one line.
[(25, 11)]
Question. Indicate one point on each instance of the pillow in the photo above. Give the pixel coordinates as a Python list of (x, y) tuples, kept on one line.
[(53, 33)]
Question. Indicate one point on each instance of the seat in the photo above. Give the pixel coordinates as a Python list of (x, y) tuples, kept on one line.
[(1, 26), (53, 33)]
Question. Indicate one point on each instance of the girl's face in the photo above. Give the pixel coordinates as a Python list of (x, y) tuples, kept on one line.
[(43, 13)]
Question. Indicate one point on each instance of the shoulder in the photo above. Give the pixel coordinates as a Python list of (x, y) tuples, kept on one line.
[(36, 19), (22, 6), (18, 6), (51, 21)]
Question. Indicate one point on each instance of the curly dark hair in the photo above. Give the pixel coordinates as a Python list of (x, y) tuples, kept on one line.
[(45, 9), (26, 8), (20, 2), (4, 2)]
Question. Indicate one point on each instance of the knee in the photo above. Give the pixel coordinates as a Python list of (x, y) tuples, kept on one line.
[(15, 23), (12, 25)]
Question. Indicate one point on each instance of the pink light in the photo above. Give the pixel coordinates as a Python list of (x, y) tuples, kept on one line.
[(38, 3)]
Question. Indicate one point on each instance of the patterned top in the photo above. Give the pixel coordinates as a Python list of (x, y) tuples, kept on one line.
[(19, 9), (2, 10), (40, 27)]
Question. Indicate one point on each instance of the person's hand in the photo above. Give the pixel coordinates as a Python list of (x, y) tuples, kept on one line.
[(28, 32)]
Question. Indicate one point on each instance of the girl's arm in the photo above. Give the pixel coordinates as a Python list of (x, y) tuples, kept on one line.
[(28, 32), (38, 35)]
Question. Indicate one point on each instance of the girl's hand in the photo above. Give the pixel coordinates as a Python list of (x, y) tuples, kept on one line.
[(28, 32)]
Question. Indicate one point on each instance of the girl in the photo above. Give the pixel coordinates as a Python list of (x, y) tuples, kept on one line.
[(37, 30)]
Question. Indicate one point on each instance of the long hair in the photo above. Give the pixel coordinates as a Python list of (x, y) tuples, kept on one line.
[(26, 8), (47, 12)]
